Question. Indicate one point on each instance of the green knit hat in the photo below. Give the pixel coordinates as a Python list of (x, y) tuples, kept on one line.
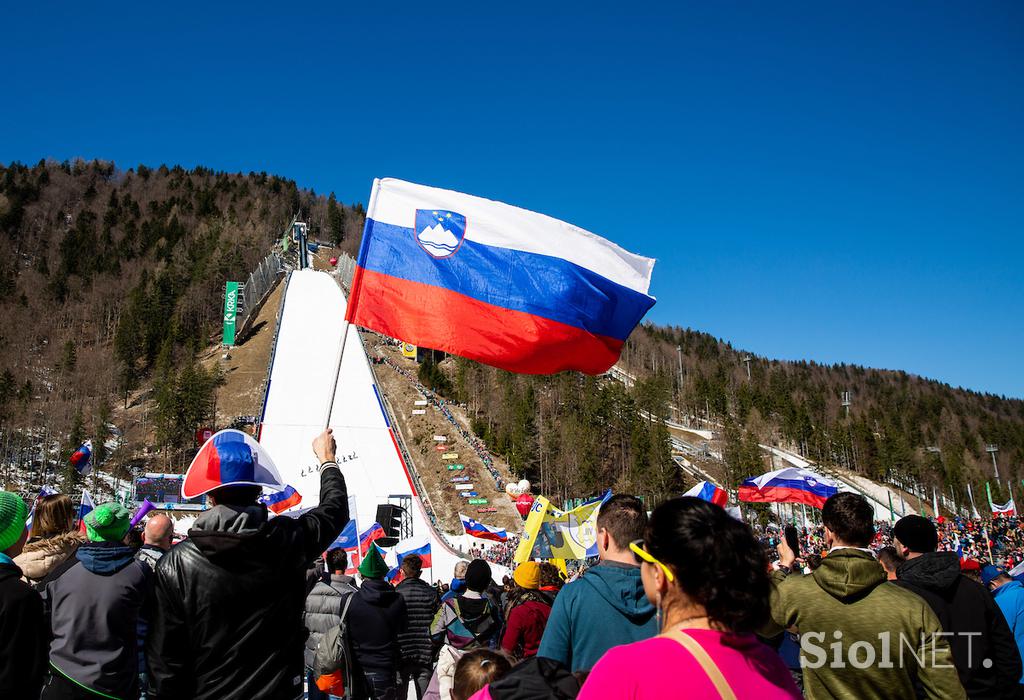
[(108, 523), (373, 565), (13, 514)]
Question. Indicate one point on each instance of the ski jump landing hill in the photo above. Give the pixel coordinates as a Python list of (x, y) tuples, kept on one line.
[(309, 333)]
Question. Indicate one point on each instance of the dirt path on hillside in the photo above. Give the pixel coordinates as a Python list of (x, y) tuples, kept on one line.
[(418, 432), (245, 372)]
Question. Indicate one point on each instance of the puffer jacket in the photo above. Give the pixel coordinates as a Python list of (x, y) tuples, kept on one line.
[(323, 610), (979, 632), (227, 623), (40, 557), (421, 604), (847, 601)]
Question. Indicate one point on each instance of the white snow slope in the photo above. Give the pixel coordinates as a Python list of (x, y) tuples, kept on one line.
[(300, 381)]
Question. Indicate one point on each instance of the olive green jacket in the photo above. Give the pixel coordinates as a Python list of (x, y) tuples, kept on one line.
[(862, 637)]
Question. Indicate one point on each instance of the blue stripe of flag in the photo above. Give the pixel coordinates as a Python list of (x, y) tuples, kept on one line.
[(541, 285)]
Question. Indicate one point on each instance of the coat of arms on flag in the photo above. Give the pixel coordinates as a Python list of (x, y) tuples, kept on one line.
[(440, 232)]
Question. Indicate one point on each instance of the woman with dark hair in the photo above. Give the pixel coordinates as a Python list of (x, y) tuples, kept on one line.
[(52, 541), (708, 577)]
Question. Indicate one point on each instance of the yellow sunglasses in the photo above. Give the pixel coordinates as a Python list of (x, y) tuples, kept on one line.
[(641, 554)]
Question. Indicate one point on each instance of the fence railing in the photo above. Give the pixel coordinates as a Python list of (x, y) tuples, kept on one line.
[(345, 269), (256, 288)]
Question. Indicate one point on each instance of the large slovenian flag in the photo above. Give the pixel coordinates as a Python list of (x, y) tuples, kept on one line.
[(494, 283), (790, 485), (474, 528), (81, 459), (374, 532), (706, 491), (281, 500)]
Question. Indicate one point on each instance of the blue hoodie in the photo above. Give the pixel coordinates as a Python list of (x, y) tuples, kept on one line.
[(605, 608), (1010, 599)]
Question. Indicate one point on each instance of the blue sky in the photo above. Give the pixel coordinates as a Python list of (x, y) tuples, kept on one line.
[(832, 181)]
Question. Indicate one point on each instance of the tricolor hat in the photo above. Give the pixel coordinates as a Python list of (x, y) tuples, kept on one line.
[(230, 458)]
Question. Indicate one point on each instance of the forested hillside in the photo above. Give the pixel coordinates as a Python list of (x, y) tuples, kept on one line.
[(577, 434), (111, 280)]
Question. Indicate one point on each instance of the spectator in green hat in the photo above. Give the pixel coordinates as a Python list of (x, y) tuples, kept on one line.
[(95, 608), (376, 617), (22, 625)]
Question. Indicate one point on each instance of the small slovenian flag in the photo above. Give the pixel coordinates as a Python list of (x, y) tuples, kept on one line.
[(282, 500), (348, 539), (494, 283), (789, 485), (81, 460), (473, 528), (84, 508), (374, 532), (706, 491), (43, 492), (413, 545)]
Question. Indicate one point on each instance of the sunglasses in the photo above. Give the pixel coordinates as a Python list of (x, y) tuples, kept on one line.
[(642, 555)]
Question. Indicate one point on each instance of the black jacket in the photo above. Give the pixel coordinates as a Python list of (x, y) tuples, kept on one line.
[(421, 604), (969, 612), (229, 601), (23, 636), (376, 616)]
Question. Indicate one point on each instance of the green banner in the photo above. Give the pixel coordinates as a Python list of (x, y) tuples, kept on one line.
[(230, 312), (478, 501), (456, 467)]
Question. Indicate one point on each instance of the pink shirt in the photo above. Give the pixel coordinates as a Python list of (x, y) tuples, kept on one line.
[(663, 668)]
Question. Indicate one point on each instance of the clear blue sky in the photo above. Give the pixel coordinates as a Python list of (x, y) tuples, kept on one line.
[(835, 181)]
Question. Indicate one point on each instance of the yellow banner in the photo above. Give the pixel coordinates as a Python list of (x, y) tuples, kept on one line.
[(550, 533), (409, 350)]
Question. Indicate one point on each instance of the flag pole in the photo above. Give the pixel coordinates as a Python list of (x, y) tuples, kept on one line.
[(353, 298), (337, 374)]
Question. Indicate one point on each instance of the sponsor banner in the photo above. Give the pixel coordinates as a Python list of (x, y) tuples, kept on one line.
[(459, 479), (550, 533), (419, 412), (230, 312), (409, 350), (489, 509), (468, 494), (456, 467), (440, 448), (421, 402), (450, 455), (463, 487), (440, 438), (478, 501)]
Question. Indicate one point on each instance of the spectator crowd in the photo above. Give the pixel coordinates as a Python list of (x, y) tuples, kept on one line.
[(684, 601)]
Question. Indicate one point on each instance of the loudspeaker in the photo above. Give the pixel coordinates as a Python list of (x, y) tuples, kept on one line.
[(390, 518)]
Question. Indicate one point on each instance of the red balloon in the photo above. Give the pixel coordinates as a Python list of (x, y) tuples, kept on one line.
[(524, 503), (334, 262)]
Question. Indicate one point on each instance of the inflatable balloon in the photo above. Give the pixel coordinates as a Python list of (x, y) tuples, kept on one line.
[(524, 503), (524, 486), (512, 489), (334, 262)]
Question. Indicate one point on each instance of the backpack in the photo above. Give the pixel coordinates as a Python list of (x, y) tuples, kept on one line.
[(332, 660)]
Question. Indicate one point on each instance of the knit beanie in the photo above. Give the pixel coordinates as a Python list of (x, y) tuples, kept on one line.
[(108, 523), (916, 534), (13, 513), (478, 575), (527, 575), (373, 565)]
